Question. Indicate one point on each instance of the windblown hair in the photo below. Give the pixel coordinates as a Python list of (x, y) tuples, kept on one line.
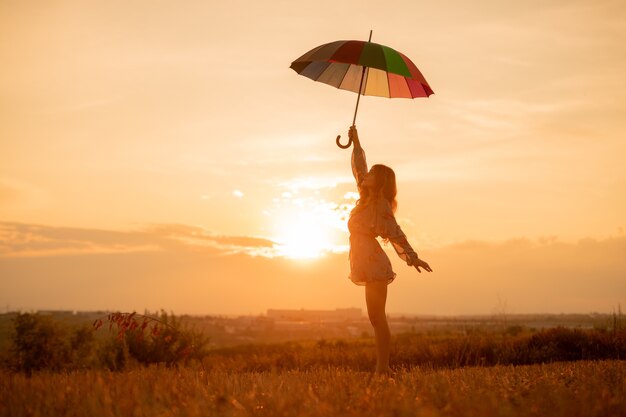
[(384, 187)]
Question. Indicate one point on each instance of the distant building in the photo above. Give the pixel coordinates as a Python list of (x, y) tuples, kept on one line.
[(337, 315)]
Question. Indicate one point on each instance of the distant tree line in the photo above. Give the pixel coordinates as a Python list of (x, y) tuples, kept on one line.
[(39, 342)]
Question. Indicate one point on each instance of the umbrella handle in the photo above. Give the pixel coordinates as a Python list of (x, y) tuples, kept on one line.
[(346, 146)]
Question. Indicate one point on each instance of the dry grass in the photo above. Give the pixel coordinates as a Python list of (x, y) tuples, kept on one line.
[(560, 389)]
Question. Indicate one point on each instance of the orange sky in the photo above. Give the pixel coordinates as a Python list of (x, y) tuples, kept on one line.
[(152, 153)]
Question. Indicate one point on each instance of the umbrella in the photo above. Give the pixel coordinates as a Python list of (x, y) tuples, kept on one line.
[(365, 68)]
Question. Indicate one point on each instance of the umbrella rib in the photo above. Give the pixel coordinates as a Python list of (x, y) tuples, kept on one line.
[(406, 80)]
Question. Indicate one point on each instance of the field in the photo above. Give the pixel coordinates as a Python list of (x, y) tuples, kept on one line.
[(583, 388), (58, 366)]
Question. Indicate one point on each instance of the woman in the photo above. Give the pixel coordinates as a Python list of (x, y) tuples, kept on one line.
[(373, 216)]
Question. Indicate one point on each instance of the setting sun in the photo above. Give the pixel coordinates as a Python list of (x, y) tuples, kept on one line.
[(306, 227), (301, 237)]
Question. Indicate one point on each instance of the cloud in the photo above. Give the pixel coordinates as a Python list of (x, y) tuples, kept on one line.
[(198, 238), (31, 240), (526, 276)]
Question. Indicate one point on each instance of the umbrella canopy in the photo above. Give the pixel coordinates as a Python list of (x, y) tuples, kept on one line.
[(366, 67)]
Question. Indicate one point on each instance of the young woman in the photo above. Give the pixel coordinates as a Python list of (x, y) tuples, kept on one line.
[(373, 216)]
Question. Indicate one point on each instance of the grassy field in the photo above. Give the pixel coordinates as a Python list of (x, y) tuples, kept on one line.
[(583, 388), (56, 369)]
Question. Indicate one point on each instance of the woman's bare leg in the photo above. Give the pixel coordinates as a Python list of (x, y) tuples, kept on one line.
[(376, 298)]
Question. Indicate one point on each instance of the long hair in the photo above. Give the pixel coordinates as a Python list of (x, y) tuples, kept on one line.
[(384, 187)]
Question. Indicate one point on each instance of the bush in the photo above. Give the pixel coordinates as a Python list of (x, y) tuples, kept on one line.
[(38, 343), (41, 343), (169, 341), (113, 354), (561, 344)]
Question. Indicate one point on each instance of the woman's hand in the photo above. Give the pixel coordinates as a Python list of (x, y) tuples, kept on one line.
[(354, 136), (422, 264)]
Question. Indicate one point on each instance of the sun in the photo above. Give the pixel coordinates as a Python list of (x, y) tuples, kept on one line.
[(306, 222), (304, 235), (309, 231)]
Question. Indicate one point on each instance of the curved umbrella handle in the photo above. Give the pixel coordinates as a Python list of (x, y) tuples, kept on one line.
[(346, 146)]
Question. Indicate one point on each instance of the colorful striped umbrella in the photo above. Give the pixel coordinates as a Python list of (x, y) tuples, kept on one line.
[(365, 68)]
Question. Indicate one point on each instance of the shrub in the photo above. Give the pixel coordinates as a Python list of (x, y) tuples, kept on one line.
[(38, 343), (161, 339), (562, 344), (113, 354)]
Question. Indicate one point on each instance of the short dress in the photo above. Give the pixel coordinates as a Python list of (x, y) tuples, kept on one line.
[(368, 261)]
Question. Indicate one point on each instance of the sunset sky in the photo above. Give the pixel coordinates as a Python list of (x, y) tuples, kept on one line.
[(159, 154)]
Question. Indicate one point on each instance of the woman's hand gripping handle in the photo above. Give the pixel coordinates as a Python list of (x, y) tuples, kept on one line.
[(352, 134)]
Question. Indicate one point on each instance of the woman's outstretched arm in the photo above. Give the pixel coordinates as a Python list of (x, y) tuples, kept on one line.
[(388, 228), (359, 163)]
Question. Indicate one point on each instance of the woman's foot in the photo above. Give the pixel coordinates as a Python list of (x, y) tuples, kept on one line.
[(387, 376), (385, 372)]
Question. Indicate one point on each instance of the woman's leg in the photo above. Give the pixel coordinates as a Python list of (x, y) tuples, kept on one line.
[(376, 298)]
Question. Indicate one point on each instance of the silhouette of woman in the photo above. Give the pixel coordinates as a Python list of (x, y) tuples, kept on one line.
[(373, 216)]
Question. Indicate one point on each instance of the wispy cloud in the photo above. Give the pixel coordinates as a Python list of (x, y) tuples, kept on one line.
[(23, 240), (31, 240), (198, 238)]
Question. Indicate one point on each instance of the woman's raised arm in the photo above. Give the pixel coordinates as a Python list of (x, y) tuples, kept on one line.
[(359, 163)]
